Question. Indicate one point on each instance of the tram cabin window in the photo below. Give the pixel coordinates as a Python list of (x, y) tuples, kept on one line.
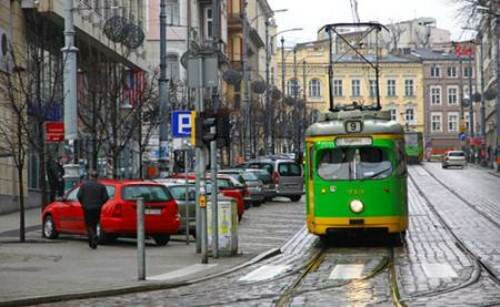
[(348, 163)]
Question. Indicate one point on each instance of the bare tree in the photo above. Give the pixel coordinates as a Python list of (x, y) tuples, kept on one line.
[(392, 41)]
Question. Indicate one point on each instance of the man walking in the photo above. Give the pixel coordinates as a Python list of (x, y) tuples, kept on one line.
[(92, 195)]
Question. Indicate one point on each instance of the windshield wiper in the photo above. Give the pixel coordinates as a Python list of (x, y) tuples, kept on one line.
[(379, 173)]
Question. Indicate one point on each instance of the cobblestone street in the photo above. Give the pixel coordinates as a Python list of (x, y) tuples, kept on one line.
[(450, 257)]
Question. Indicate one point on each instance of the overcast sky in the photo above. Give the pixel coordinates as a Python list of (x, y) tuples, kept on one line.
[(312, 14)]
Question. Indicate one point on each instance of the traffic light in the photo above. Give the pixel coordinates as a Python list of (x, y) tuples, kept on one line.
[(223, 129), (202, 124)]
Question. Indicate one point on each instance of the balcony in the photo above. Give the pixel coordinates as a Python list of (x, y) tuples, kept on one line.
[(89, 27)]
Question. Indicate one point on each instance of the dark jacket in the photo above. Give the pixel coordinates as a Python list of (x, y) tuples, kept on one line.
[(92, 195)]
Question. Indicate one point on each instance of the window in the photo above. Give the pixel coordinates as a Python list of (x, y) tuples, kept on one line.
[(394, 114), (436, 122), (208, 20), (173, 12), (373, 88), (293, 88), (452, 71), (391, 88), (355, 87), (150, 193), (289, 169), (452, 95), (468, 71), (435, 71), (173, 67), (410, 115), (453, 122), (435, 95), (351, 163), (409, 87), (337, 88), (467, 120), (314, 88)]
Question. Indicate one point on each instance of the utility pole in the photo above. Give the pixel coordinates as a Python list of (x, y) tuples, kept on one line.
[(296, 88), (481, 64), (246, 82), (163, 89), (461, 85), (69, 83), (497, 100), (471, 103), (213, 144), (283, 71), (304, 113), (269, 107)]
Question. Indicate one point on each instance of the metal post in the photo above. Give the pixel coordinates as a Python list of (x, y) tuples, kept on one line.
[(482, 110), (497, 101), (201, 178), (283, 106), (269, 107), (186, 195), (163, 87), (471, 103), (461, 82), (69, 82), (141, 251), (215, 215), (246, 82), (304, 113)]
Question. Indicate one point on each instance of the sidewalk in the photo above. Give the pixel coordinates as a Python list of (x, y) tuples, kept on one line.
[(42, 270)]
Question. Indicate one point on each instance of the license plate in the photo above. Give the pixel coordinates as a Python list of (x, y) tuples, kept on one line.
[(150, 211)]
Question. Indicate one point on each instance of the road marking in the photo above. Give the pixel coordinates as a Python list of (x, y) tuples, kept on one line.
[(265, 272), (347, 271), (439, 270), (183, 272)]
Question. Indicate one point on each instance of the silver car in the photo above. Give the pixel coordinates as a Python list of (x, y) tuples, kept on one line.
[(254, 187), (186, 203), (286, 175), (454, 158)]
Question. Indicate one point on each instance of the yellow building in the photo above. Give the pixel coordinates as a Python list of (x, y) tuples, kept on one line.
[(400, 81)]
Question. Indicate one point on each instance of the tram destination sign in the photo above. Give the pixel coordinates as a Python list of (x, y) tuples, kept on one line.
[(346, 141), (353, 126)]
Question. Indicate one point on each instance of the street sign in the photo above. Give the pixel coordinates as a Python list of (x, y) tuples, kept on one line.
[(54, 132), (181, 124)]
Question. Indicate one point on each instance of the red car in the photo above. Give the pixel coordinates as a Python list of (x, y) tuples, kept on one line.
[(118, 214), (227, 185)]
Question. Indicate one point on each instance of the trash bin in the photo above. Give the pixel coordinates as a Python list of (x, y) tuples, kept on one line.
[(228, 226)]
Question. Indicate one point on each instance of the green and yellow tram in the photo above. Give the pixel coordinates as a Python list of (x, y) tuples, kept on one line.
[(356, 174), (414, 147)]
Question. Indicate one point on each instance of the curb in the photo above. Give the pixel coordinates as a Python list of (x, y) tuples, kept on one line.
[(149, 286)]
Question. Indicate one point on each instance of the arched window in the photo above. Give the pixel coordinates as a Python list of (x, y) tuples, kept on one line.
[(314, 88), (293, 88)]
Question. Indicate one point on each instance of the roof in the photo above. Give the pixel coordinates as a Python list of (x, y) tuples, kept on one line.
[(373, 122), (433, 55), (390, 58)]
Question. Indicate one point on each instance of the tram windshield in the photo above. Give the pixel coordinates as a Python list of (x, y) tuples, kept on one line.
[(353, 163), (411, 139)]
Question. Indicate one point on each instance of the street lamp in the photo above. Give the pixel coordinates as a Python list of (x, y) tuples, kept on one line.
[(269, 49)]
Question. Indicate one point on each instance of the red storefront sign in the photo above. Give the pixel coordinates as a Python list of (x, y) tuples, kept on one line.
[(54, 132)]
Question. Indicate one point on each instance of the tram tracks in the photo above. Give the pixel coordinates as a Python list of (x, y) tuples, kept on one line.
[(477, 259)]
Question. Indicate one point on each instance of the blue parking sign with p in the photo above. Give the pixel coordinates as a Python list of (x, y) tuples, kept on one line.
[(181, 124)]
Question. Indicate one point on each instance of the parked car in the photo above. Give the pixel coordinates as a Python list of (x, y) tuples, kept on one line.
[(227, 185), (118, 214), (254, 187), (454, 158), (286, 175), (178, 191), (268, 186)]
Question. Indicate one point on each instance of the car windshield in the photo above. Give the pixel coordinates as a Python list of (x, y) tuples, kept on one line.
[(289, 169), (350, 163), (150, 193), (224, 183), (179, 192), (456, 154)]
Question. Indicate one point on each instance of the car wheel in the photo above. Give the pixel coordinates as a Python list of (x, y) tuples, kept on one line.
[(49, 228), (161, 240), (295, 198), (256, 204), (444, 166)]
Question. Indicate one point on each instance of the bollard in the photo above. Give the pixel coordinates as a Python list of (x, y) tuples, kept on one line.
[(141, 252), (186, 195)]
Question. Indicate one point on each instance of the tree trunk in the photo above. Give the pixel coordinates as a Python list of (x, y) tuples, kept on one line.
[(43, 169), (22, 234)]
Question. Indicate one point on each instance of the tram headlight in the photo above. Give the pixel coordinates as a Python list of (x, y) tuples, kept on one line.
[(356, 206)]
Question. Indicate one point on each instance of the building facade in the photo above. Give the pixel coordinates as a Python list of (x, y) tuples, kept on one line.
[(447, 85)]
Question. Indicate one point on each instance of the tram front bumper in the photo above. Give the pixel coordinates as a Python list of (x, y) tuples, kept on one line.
[(393, 224)]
